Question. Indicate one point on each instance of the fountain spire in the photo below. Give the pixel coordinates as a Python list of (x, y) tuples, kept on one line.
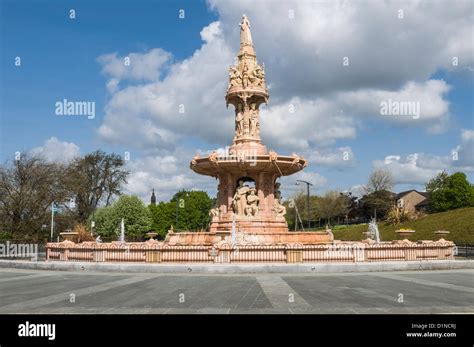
[(245, 35), (248, 199), (247, 89)]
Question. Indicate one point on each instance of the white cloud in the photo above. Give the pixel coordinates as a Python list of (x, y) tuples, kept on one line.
[(428, 96), (135, 66), (389, 58), (289, 187), (333, 157), (463, 155), (301, 124), (418, 168), (188, 101), (304, 54), (467, 135), (357, 190), (167, 174), (54, 150), (406, 170)]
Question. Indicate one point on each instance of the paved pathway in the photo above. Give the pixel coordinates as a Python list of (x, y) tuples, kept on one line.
[(34, 291)]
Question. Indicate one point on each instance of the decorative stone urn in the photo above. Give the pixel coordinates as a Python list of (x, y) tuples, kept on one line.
[(405, 232), (151, 235), (441, 232), (69, 235)]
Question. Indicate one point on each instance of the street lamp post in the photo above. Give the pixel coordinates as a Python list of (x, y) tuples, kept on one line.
[(307, 199)]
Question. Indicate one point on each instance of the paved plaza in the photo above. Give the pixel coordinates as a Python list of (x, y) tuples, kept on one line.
[(35, 291)]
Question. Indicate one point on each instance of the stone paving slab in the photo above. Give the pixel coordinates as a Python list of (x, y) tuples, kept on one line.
[(432, 292), (241, 268), (375, 290)]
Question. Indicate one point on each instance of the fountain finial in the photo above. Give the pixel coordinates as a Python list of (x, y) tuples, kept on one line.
[(245, 35)]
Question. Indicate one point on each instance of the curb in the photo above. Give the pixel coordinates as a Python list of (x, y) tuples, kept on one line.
[(241, 268)]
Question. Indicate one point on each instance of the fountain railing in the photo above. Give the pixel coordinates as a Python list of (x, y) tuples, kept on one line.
[(158, 252)]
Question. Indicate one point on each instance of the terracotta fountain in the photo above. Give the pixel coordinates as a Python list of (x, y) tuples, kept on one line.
[(249, 199)]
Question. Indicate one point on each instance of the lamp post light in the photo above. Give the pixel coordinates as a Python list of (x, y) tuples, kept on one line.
[(307, 199)]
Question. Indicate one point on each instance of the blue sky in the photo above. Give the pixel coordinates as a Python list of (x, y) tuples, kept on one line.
[(390, 57), (59, 59)]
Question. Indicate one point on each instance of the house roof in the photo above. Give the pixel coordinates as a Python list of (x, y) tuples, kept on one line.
[(402, 194), (425, 202)]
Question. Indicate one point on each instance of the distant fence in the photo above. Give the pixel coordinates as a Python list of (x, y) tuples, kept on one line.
[(465, 250), (156, 252)]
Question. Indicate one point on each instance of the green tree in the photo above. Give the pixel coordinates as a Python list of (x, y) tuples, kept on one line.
[(193, 209), (296, 203), (377, 203), (438, 182), (451, 192), (331, 205), (136, 215), (163, 216), (190, 208)]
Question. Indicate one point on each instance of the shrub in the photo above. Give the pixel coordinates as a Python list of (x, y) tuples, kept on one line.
[(397, 215), (82, 234)]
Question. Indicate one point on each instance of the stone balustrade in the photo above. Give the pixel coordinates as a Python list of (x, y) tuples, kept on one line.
[(158, 252)]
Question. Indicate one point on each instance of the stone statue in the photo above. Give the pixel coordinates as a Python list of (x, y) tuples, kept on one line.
[(260, 75), (245, 35), (246, 121), (278, 207), (235, 77), (241, 157), (213, 158), (194, 161), (245, 75), (273, 156), (253, 119), (252, 200), (296, 159), (277, 192), (305, 164), (257, 77), (214, 212), (239, 120), (240, 199)]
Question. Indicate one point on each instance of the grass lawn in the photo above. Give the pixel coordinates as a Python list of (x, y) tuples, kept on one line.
[(460, 224)]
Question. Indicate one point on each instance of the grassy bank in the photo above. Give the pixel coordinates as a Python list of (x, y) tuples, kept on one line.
[(460, 224)]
